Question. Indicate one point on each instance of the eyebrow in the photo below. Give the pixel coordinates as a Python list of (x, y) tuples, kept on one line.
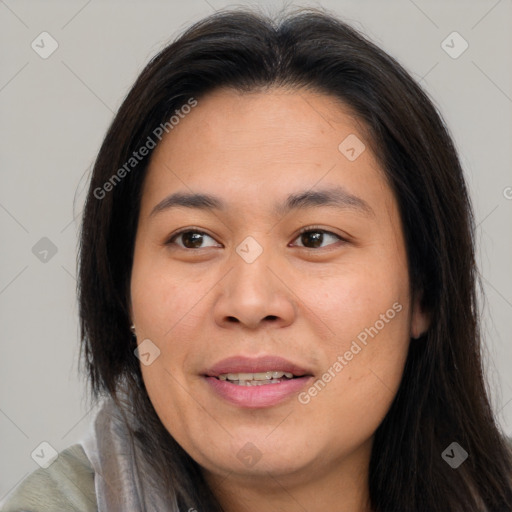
[(336, 197)]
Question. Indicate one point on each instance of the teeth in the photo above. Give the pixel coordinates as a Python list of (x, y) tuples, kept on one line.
[(256, 382), (264, 377)]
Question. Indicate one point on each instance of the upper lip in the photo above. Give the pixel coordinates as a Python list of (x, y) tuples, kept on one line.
[(243, 364)]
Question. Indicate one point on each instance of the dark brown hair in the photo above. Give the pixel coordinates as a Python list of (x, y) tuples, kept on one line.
[(442, 397)]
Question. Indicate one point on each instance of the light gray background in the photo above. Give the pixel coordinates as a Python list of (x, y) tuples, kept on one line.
[(54, 114)]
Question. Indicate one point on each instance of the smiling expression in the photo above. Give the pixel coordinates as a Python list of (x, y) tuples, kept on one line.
[(262, 247)]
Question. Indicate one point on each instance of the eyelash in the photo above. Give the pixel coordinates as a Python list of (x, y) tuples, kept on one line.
[(307, 229)]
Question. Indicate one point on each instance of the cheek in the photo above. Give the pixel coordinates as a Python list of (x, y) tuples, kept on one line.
[(352, 297), (165, 299), (367, 311), (167, 307)]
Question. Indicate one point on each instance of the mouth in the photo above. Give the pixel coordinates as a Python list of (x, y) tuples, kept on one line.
[(256, 382), (257, 379)]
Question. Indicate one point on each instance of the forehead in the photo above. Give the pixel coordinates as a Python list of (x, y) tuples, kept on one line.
[(281, 119), (249, 146)]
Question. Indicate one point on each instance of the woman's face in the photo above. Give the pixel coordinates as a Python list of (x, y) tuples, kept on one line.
[(243, 292)]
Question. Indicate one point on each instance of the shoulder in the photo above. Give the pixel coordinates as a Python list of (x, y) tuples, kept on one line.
[(67, 484)]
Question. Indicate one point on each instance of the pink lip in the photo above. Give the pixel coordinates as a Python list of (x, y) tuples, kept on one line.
[(266, 395), (241, 364)]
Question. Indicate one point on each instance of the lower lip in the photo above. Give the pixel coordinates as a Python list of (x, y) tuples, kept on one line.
[(254, 397)]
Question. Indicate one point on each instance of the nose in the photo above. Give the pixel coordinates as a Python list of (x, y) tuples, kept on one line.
[(254, 294)]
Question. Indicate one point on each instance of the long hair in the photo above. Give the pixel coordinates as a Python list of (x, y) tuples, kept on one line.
[(442, 397)]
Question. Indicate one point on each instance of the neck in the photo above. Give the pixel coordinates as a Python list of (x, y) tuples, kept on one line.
[(339, 487)]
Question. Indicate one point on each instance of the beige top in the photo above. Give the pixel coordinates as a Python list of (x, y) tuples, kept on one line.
[(66, 485), (105, 472)]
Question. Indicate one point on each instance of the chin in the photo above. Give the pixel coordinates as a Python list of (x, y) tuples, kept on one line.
[(257, 457)]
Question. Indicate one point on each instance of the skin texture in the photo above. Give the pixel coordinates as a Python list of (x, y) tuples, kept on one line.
[(308, 305)]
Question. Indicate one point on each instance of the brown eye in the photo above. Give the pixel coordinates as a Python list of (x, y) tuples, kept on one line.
[(313, 238), (190, 239)]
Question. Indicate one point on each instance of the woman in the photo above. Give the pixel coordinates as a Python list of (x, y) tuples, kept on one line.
[(277, 289)]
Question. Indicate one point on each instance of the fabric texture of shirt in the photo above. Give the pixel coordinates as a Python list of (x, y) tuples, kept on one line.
[(66, 485), (105, 472)]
